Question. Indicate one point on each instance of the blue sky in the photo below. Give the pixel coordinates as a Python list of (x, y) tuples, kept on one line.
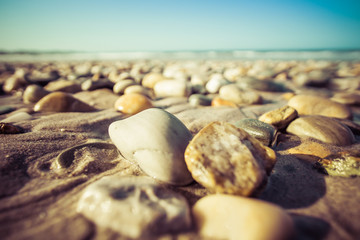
[(140, 25)]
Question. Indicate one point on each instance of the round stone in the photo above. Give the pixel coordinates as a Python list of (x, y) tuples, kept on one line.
[(135, 207), (171, 88), (233, 93), (33, 93), (61, 102), (226, 159), (322, 128), (261, 131), (120, 86), (233, 217), (151, 79), (279, 118), (156, 141), (315, 105), (132, 103)]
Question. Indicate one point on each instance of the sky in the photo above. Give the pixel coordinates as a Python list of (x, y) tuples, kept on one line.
[(174, 25)]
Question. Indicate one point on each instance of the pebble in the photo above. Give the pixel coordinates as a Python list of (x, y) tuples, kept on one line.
[(311, 149), (156, 141), (344, 84), (137, 89), (171, 88), (347, 98), (63, 85), (316, 78), (342, 164), (90, 85), (6, 109), (33, 93), (17, 117), (215, 83), (86, 158), (135, 207), (226, 159), (280, 117), (233, 217), (199, 100), (41, 78), (263, 132), (322, 128), (315, 105), (233, 93), (260, 85), (8, 128), (61, 102), (219, 102), (13, 84), (120, 86), (132, 103), (151, 79)]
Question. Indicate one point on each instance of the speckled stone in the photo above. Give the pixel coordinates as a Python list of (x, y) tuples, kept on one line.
[(263, 132), (315, 105), (61, 102), (135, 207), (33, 93), (132, 103), (279, 118), (341, 164), (233, 93), (322, 128), (226, 159), (156, 141), (232, 217)]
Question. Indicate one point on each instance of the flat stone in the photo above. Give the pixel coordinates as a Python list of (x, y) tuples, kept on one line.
[(132, 103), (233, 93), (322, 128), (135, 207), (61, 102), (17, 117), (341, 164), (171, 88), (315, 105), (156, 141), (263, 132), (232, 217), (63, 85), (33, 93), (310, 149), (226, 159), (280, 117)]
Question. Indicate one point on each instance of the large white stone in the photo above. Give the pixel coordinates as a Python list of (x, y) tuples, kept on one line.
[(171, 88), (156, 140), (136, 207)]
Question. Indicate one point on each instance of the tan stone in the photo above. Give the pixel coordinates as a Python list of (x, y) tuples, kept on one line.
[(232, 217), (226, 159), (280, 117), (132, 103), (218, 102), (151, 79), (315, 105)]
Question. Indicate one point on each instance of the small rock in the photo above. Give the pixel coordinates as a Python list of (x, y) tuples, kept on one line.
[(63, 85), (6, 109), (171, 88), (226, 159), (8, 128), (151, 79), (14, 83), (136, 207), (41, 78), (90, 85), (199, 100), (61, 102), (234, 94), (33, 93), (215, 83), (219, 102), (137, 89), (263, 132), (120, 86), (342, 164), (315, 105), (132, 103), (156, 141), (260, 85), (317, 78), (322, 128), (344, 84), (17, 117), (347, 98), (279, 118), (232, 217)]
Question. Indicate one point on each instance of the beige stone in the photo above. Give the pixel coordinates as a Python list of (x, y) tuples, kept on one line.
[(132, 103), (34, 93), (232, 217), (151, 79), (280, 117), (233, 93)]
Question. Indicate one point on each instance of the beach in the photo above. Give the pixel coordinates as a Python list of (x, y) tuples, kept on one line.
[(56, 143)]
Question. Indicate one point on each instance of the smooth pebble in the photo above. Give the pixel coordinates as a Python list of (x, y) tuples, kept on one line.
[(132, 103), (33, 93), (263, 132), (233, 93), (171, 88), (120, 86), (280, 117)]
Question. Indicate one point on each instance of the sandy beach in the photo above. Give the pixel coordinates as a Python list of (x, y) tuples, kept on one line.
[(50, 107)]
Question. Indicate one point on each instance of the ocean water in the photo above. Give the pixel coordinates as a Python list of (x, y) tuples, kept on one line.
[(302, 55)]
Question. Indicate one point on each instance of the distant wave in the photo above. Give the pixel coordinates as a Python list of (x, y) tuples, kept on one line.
[(331, 55)]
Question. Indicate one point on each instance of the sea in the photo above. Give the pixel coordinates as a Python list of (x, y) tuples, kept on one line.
[(300, 55)]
